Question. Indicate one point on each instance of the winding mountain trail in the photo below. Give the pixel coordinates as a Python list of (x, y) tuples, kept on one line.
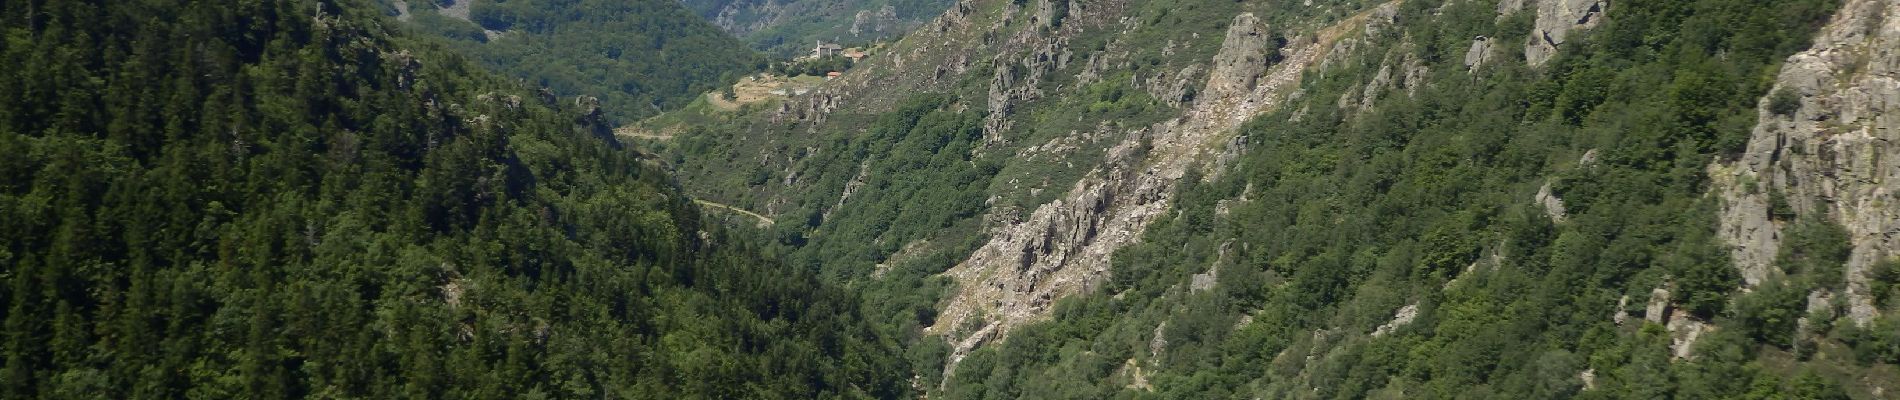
[(639, 133), (764, 221)]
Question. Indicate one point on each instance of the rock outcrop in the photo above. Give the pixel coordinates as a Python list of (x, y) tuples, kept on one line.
[(812, 107), (1622, 314), (1657, 310), (402, 10), (1684, 329), (1205, 281), (1174, 89), (1063, 247), (1508, 7), (875, 22), (1553, 205), (1403, 317), (1555, 20), (1479, 53), (1827, 152), (1048, 14)]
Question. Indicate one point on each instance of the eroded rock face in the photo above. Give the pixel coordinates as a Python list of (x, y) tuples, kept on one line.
[(1553, 205), (1555, 20), (1048, 15), (879, 22), (1173, 89), (1479, 53), (1507, 7), (1400, 71), (1403, 317), (402, 10), (1658, 309), (1684, 330), (1821, 307), (1205, 281), (813, 108), (1828, 156), (1622, 314), (1063, 247), (1026, 57), (1017, 81), (1059, 249)]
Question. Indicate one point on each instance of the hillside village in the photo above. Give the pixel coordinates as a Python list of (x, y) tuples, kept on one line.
[(788, 79)]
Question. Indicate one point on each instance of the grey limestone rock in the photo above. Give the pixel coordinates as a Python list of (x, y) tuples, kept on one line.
[(1556, 19), (1828, 156)]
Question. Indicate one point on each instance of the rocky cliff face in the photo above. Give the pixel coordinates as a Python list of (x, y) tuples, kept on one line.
[(882, 21), (1063, 247), (1040, 254), (744, 17), (1830, 155), (790, 26), (1016, 81), (1028, 76), (1555, 20)]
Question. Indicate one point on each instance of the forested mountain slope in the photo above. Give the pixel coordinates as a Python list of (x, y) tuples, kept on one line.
[(639, 57), (1349, 199), (792, 27), (275, 199)]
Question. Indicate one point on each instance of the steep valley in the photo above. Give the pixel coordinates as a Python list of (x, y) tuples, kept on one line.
[(1349, 199), (950, 199)]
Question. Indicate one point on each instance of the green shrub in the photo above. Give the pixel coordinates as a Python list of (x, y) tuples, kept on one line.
[(1784, 102)]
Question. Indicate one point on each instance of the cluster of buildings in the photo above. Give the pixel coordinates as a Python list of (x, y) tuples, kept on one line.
[(823, 50)]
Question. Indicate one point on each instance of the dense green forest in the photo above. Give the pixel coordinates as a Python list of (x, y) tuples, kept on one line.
[(639, 57), (282, 198)]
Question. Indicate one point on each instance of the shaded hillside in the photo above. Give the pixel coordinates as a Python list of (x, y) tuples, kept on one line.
[(279, 199), (791, 27), (638, 57)]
